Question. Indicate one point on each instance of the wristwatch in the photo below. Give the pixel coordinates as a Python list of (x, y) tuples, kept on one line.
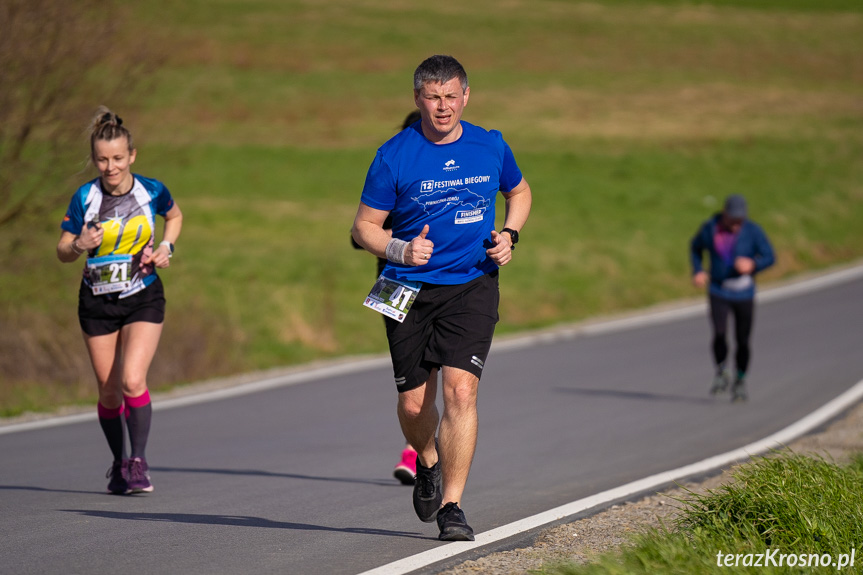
[(513, 235), (170, 248)]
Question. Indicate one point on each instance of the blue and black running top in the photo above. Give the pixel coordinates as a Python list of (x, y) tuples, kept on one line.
[(452, 188), (128, 221), (724, 247)]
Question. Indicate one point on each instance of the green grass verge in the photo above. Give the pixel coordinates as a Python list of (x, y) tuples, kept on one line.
[(801, 510)]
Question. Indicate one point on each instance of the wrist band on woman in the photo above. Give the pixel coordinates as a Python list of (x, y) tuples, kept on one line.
[(396, 250), (75, 247)]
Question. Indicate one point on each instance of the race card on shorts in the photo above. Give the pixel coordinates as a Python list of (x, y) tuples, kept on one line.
[(392, 298), (109, 274)]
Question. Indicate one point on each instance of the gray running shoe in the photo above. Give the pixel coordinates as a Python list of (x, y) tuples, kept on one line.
[(720, 382), (453, 525), (738, 391), (116, 474), (138, 474), (427, 493)]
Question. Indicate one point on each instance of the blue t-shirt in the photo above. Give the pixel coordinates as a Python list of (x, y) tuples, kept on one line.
[(128, 223), (452, 188)]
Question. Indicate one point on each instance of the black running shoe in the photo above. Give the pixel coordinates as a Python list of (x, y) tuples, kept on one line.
[(427, 492), (453, 525), (117, 484)]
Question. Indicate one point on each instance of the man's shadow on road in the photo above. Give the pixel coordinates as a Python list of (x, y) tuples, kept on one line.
[(638, 395)]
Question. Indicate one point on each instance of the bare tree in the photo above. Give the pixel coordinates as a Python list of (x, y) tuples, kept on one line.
[(59, 59)]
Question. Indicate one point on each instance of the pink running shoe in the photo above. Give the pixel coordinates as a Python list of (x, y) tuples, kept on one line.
[(406, 470)]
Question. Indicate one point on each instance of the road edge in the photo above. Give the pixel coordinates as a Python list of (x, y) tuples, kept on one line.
[(225, 388)]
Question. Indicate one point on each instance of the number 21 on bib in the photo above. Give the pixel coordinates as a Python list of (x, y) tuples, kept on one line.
[(109, 274)]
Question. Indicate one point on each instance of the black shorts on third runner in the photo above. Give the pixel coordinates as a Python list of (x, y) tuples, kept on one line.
[(104, 314), (448, 325)]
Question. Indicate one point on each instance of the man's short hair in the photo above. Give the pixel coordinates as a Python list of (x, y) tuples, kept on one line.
[(439, 70)]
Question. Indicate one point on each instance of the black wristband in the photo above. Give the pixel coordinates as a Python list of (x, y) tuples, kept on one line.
[(513, 235)]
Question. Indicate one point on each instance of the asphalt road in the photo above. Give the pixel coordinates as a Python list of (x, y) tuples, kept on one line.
[(298, 479)]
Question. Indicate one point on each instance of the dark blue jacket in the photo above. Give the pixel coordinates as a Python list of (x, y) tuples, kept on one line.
[(751, 242)]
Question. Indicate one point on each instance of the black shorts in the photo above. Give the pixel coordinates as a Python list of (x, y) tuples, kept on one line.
[(447, 325), (107, 313)]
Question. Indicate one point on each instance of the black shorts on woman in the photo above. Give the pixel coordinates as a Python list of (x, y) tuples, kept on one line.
[(448, 325), (108, 313)]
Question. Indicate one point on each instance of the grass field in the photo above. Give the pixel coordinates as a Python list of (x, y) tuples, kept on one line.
[(631, 121), (786, 514)]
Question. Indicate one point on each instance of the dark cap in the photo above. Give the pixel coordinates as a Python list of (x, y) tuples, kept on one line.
[(735, 206)]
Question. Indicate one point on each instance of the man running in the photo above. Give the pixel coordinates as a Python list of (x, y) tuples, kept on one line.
[(738, 249), (439, 180)]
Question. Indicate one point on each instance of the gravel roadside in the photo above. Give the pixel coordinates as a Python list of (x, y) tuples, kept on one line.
[(605, 531)]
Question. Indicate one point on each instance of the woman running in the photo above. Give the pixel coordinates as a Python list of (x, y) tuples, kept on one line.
[(111, 221)]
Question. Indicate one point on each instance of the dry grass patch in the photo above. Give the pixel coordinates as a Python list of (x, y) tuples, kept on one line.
[(322, 75), (715, 111)]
